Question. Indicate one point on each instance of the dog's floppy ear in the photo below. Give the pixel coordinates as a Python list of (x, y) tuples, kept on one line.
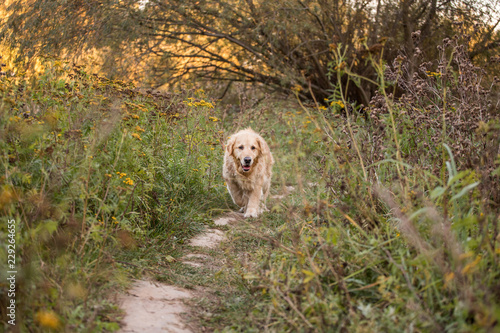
[(230, 146), (264, 148)]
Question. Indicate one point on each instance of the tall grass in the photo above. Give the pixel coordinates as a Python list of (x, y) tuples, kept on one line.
[(395, 224), (96, 173)]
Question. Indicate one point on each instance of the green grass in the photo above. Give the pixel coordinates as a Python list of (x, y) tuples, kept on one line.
[(393, 224), (105, 182), (341, 252)]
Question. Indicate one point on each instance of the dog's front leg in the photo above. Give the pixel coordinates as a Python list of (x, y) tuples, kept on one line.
[(253, 203), (236, 193)]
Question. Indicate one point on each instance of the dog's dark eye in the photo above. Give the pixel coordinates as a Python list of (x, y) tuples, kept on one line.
[(253, 148), (240, 147)]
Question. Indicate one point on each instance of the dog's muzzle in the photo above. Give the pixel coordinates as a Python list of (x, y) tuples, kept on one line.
[(246, 164)]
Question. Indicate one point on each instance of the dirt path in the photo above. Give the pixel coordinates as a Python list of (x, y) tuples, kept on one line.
[(157, 307)]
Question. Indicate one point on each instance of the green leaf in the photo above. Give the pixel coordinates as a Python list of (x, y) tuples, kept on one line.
[(169, 258), (309, 277), (452, 167), (469, 221), (51, 226), (458, 176), (437, 192), (464, 191), (419, 212)]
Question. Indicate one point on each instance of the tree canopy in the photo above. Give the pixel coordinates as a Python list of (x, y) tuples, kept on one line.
[(276, 44)]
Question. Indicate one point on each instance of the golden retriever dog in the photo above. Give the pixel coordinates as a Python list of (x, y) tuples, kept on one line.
[(247, 170)]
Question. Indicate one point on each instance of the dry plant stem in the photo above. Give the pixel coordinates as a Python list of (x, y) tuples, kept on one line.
[(190, 143), (390, 107), (273, 241), (298, 173), (443, 133), (129, 200), (410, 286), (340, 280), (348, 117), (86, 198), (331, 130), (292, 305), (143, 268), (405, 224)]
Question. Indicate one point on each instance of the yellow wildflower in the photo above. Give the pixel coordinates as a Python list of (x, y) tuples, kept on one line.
[(339, 103), (48, 319), (139, 129), (137, 136)]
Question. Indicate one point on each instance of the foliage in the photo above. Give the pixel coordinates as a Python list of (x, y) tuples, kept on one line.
[(92, 169), (394, 223), (279, 44)]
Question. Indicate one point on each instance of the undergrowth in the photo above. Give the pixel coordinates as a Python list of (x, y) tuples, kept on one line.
[(96, 173), (394, 223)]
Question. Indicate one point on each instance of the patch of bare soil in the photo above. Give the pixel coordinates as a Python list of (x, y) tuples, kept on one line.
[(152, 307), (156, 307), (210, 239)]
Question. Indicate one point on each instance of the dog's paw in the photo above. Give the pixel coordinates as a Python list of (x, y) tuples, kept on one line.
[(251, 213)]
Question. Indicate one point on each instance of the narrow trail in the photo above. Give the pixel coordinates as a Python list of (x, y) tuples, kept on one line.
[(151, 306)]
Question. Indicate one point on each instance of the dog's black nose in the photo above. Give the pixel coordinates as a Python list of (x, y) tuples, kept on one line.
[(247, 160)]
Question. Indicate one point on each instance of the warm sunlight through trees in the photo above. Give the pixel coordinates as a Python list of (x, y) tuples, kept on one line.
[(278, 44)]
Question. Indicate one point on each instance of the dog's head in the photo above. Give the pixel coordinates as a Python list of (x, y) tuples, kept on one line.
[(246, 147)]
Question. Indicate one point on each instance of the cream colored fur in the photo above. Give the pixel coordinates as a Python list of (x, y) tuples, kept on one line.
[(249, 189)]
